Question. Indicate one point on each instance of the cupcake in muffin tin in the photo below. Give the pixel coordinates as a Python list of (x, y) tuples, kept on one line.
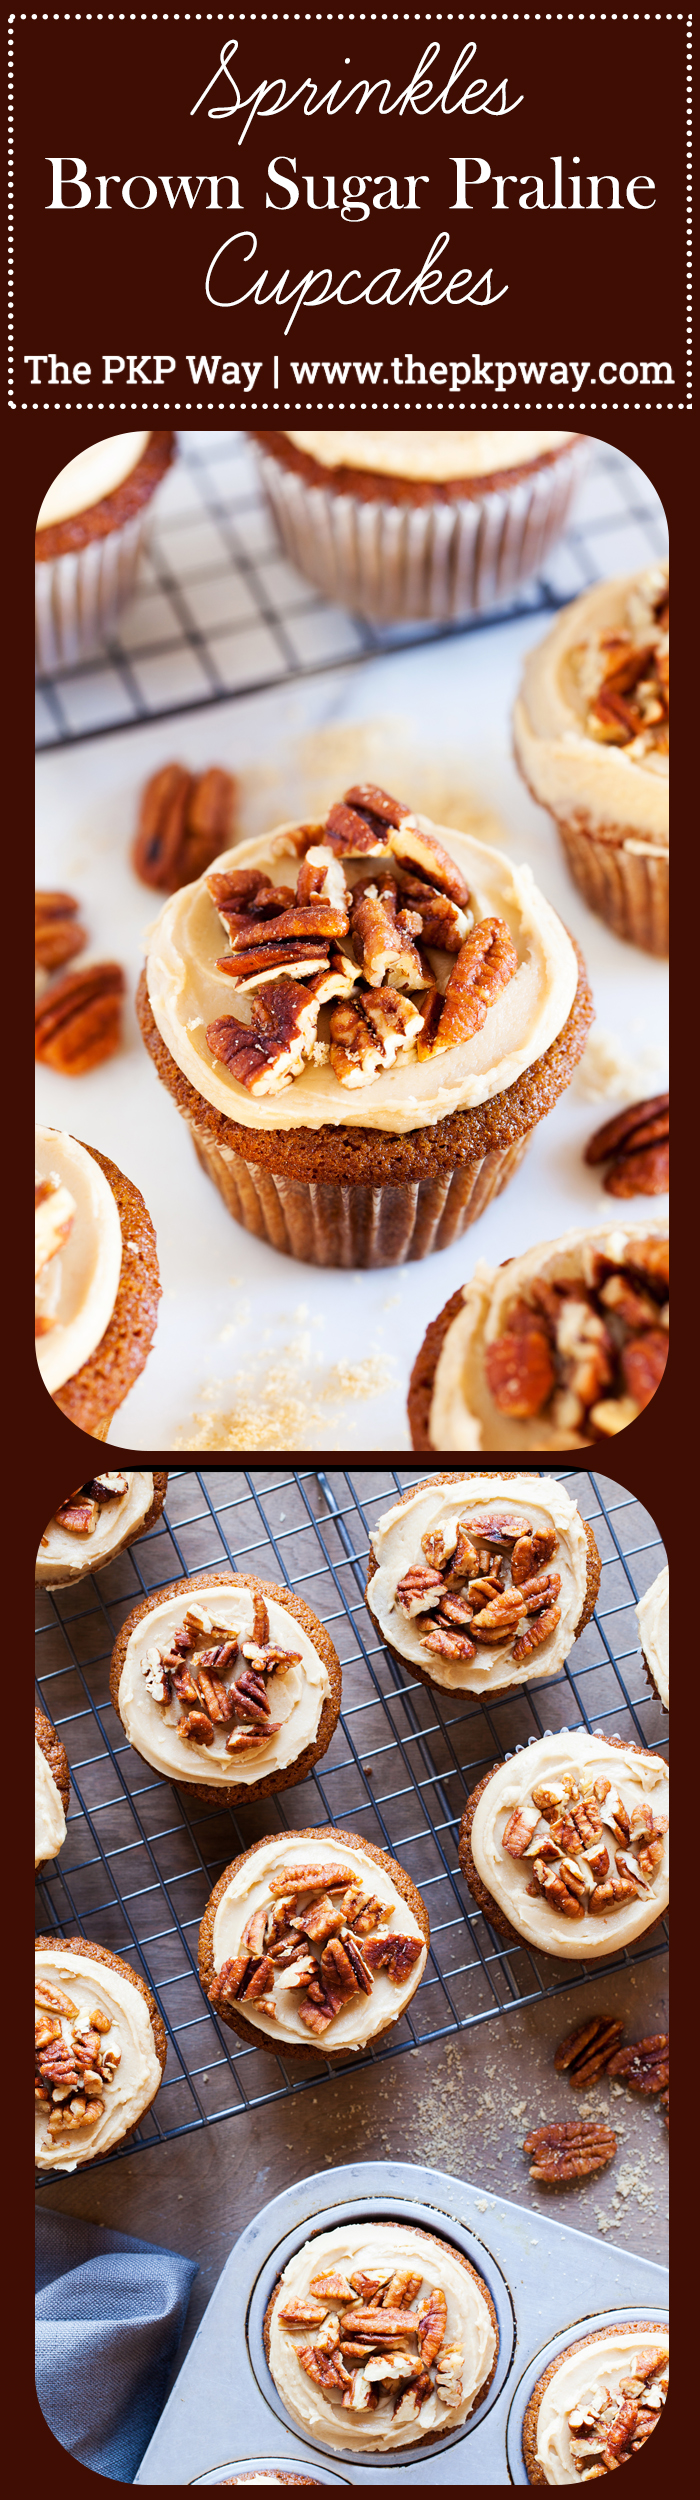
[(380, 2335), (227, 1685), (478, 1583), (597, 2404), (89, 535), (362, 1065), (565, 1844), (313, 1940), (411, 524), (97, 1285)]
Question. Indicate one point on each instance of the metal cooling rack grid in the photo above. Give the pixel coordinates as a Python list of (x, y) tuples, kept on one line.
[(140, 1858), (218, 611)]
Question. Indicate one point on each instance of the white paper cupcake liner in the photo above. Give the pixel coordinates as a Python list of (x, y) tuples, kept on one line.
[(435, 560), (78, 596)]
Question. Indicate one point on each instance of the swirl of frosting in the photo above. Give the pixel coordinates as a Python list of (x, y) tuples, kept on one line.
[(93, 473), (465, 2336), (427, 458), (652, 1617)]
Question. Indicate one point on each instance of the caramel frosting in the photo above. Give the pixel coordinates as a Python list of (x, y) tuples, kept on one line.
[(187, 994), (579, 778), (77, 1289), (397, 1547), (430, 459), (635, 1778), (652, 1617), (249, 1890), (386, 2248), (90, 1985), (49, 1817), (588, 2377), (63, 1557), (94, 473), (463, 1412), (296, 1698)]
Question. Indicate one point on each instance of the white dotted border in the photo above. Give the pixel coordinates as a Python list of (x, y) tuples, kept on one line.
[(362, 17)]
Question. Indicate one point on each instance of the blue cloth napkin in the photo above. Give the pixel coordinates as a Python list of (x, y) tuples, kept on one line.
[(110, 2312)]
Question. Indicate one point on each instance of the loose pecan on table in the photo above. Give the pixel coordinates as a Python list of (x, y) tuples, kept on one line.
[(635, 1147), (77, 1021), (58, 933), (574, 2150), (185, 820), (643, 2067), (586, 2052)]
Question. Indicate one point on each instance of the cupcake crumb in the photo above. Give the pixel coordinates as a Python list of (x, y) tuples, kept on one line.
[(609, 1072)]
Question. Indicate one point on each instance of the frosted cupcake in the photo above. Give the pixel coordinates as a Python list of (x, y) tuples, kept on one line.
[(406, 524), (96, 1522), (596, 2405), (562, 1346), (591, 738), (362, 1061), (51, 1790), (565, 1845), (380, 2336), (477, 1583), (97, 1282), (88, 541), (100, 2047), (652, 1618), (313, 1939), (227, 1685)]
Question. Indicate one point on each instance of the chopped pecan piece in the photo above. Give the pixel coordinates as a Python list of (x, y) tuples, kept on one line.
[(402, 2290), (261, 1978), (244, 1737), (571, 2151), (500, 1617), (419, 1590), (185, 820), (356, 830), (183, 1684), (642, 1363), (307, 1879), (485, 964), (266, 1054), (383, 937), (321, 877), (443, 923), (519, 1364), (519, 1829), (54, 1999), (319, 2008), (432, 2322), (156, 1677), (357, 1961), (369, 1034), (214, 1696), (337, 1971), (408, 2404), (195, 1728), (644, 2065), (383, 2325), (535, 1633), (78, 1516), (531, 1553), (433, 1547), (445, 1643), (322, 1919), (325, 2367), (330, 2287), (586, 2052), (465, 1560), (370, 1912), (396, 1954), (457, 1611), (77, 1021), (300, 2311), (563, 1886), (448, 2375), (54, 1210), (500, 1527), (249, 1699), (57, 930)]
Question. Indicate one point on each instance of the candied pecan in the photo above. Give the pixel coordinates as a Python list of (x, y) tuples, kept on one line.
[(419, 1589), (268, 1053), (643, 1174), (612, 1894), (644, 2065), (500, 1616), (54, 1999), (330, 2287), (369, 2287), (481, 1592), (562, 1885), (455, 1610), (500, 1527), (156, 1677), (58, 933), (301, 2311), (383, 2325), (368, 1035), (383, 937), (531, 1552), (485, 964), (184, 1685), (325, 2367), (540, 1591), (357, 1961), (402, 2290), (370, 1912), (443, 923), (419, 850), (214, 1696), (586, 2052), (322, 875), (432, 2322), (408, 2404), (337, 1970), (355, 829), (535, 1633), (319, 2008), (249, 1698), (300, 923), (449, 2373), (261, 1977), (185, 820), (465, 1560), (520, 1370), (321, 1920), (328, 1878), (572, 2151), (77, 1021), (519, 1829), (445, 1643), (643, 1362), (78, 1516), (195, 1728), (396, 1954), (619, 1136)]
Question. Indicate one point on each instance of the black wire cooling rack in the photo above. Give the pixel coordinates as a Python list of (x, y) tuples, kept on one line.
[(141, 1857)]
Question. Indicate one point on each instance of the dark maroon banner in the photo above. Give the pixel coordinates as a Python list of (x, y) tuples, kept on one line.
[(350, 211)]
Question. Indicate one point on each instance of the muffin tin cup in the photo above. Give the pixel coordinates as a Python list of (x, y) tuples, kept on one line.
[(330, 1225), (259, 2464), (548, 2352), (79, 596), (628, 889), (225, 2405), (438, 560)]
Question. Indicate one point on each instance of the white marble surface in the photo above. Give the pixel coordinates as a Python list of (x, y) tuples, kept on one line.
[(230, 1305)]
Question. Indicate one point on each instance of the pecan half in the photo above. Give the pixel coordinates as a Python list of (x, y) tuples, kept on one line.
[(643, 1362), (185, 820), (195, 1728), (572, 2151), (637, 1143), (396, 1954), (77, 1022), (369, 1035), (498, 1619), (485, 964), (586, 2052), (58, 933), (445, 1643), (267, 1054), (644, 2065), (531, 1552), (500, 1527), (322, 875), (419, 1589), (432, 2322), (383, 937), (535, 1633), (519, 1364), (443, 923)]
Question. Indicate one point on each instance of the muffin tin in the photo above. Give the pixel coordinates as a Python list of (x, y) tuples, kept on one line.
[(540, 2362), (528, 2261)]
